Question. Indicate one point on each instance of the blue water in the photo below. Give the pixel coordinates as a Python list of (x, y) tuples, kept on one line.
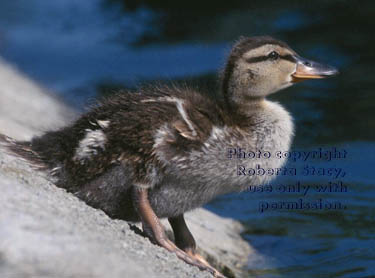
[(71, 47), (74, 47), (313, 243)]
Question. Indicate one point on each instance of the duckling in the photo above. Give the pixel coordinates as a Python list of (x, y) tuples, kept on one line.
[(164, 150)]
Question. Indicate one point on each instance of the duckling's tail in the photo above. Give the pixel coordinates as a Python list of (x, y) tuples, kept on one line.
[(22, 149)]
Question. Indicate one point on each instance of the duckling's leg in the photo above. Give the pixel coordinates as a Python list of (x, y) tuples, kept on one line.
[(182, 235), (185, 240), (154, 230)]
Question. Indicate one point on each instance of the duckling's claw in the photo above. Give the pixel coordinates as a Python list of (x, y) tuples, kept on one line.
[(199, 262), (217, 274), (211, 269), (194, 260)]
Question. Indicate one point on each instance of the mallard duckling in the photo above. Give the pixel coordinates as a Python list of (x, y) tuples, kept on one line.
[(164, 151)]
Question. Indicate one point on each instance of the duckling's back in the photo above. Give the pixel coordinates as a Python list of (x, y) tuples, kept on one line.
[(112, 147)]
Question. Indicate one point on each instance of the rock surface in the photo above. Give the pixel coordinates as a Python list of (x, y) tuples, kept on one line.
[(47, 232)]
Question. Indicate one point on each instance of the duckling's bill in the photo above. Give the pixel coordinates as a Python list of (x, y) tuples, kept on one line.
[(306, 69)]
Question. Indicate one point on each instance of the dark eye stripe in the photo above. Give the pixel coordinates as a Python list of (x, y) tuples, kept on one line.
[(258, 59), (289, 58)]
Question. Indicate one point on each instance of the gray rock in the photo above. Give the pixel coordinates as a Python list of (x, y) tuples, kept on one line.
[(47, 232)]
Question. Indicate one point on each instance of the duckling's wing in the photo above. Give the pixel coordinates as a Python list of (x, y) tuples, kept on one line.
[(144, 130), (194, 119)]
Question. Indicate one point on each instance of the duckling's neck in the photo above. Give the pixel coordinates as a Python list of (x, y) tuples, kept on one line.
[(243, 99), (246, 106)]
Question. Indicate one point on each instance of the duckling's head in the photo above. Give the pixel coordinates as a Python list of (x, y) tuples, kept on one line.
[(259, 66)]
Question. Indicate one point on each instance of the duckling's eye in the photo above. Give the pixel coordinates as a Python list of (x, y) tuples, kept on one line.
[(273, 55)]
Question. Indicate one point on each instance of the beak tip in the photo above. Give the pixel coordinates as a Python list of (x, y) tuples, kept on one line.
[(331, 73)]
